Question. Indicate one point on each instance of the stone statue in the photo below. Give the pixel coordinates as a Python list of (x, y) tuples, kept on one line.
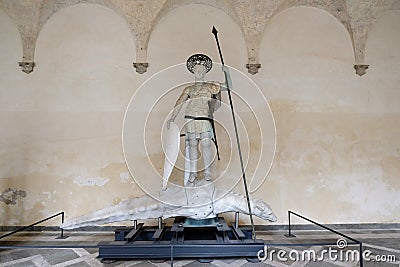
[(203, 99), (204, 202)]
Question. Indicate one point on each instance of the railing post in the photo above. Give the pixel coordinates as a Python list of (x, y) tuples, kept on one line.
[(33, 224), (329, 229), (62, 221), (290, 226), (61, 229)]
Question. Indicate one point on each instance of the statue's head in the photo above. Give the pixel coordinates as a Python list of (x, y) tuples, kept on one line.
[(199, 65), (263, 210)]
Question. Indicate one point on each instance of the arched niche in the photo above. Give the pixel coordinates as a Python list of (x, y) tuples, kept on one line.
[(383, 55), (11, 45), (186, 30), (84, 54), (14, 94), (83, 81), (383, 44), (306, 54)]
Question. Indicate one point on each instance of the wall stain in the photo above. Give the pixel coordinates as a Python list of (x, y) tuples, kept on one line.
[(11, 195)]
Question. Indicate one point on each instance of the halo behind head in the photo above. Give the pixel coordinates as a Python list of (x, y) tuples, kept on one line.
[(199, 59)]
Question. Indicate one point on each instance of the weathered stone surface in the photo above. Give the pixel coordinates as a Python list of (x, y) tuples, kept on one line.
[(141, 67), (11, 195), (361, 69), (363, 14), (253, 68), (27, 67)]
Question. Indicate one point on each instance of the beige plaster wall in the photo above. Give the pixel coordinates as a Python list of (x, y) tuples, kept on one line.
[(338, 144), (338, 134), (61, 126)]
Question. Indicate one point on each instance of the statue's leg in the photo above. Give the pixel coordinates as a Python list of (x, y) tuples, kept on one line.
[(207, 154), (187, 161), (193, 156)]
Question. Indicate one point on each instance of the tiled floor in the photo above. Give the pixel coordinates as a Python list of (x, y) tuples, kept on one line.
[(381, 243)]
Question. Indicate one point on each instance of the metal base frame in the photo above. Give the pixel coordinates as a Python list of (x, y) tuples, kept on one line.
[(182, 240)]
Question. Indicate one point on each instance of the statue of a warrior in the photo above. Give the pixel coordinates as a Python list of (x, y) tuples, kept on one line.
[(203, 100)]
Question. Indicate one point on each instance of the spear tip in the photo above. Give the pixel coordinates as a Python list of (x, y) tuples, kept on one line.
[(214, 31)]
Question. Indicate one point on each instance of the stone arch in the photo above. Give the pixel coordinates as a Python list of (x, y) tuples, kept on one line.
[(221, 5), (25, 26), (50, 7), (316, 9), (382, 51), (382, 46), (12, 86), (207, 44), (10, 21), (337, 9), (170, 5), (90, 54), (47, 9), (311, 54), (363, 16)]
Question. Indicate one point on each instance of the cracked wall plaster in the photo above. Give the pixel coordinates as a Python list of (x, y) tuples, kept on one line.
[(10, 196)]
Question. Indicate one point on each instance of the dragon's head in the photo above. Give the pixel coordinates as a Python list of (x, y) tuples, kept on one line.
[(263, 210)]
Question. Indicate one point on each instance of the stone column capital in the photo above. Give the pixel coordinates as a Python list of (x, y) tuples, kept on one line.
[(140, 67), (27, 66), (253, 68), (360, 69)]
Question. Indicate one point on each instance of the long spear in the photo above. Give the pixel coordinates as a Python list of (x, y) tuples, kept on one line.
[(215, 32)]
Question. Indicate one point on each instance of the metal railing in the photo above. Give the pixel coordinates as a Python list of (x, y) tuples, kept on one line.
[(33, 224), (356, 242)]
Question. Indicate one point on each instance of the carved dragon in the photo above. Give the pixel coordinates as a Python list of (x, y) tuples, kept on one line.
[(197, 203)]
